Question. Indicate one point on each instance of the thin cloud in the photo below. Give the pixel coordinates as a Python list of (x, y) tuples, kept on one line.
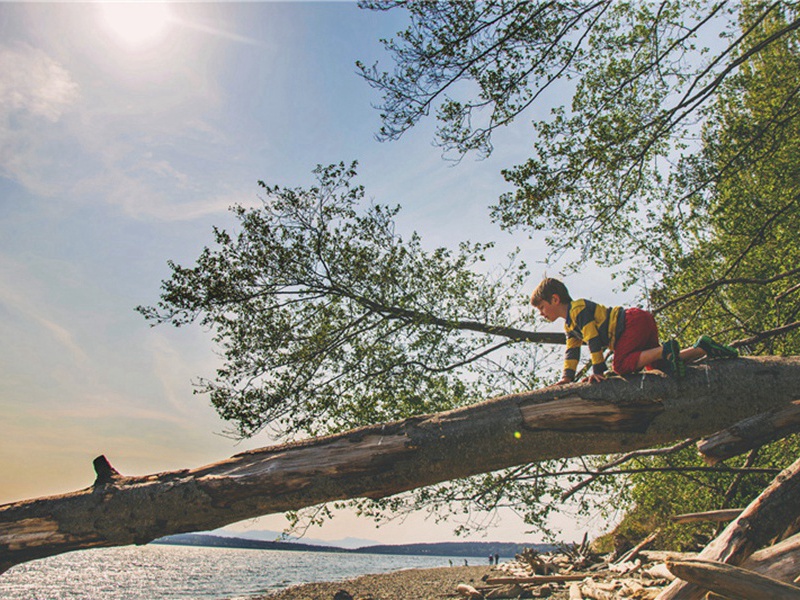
[(34, 90), (28, 305), (163, 200), (31, 81), (216, 32)]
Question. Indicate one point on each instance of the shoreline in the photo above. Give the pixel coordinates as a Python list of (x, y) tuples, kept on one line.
[(432, 583)]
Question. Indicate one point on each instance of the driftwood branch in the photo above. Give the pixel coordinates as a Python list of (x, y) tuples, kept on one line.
[(633, 552), (751, 433), (534, 579), (713, 516), (765, 519), (737, 480), (616, 416)]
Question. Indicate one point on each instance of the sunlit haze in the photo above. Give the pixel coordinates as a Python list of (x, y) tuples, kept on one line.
[(135, 23)]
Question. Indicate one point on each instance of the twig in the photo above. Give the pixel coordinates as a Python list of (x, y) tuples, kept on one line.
[(765, 334), (720, 282), (625, 458)]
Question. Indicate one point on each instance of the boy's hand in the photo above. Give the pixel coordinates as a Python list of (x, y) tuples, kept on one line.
[(563, 381), (593, 378)]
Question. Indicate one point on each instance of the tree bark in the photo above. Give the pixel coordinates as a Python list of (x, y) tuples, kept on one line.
[(714, 516), (618, 415), (733, 582), (766, 518), (781, 561), (750, 433)]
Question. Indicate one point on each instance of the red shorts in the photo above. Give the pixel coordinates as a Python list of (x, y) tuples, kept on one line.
[(640, 333)]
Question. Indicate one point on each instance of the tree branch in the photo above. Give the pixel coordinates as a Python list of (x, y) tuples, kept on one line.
[(623, 459)]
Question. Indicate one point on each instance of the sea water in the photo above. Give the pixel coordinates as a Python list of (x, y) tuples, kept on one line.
[(159, 571)]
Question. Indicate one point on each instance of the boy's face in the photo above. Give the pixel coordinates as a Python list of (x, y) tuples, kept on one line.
[(549, 309)]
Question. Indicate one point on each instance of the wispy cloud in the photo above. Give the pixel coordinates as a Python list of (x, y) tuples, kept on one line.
[(19, 296), (34, 89), (216, 32), (164, 194), (32, 82), (174, 370)]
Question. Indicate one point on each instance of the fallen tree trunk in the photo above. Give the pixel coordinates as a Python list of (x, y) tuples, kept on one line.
[(750, 433), (766, 518), (618, 415)]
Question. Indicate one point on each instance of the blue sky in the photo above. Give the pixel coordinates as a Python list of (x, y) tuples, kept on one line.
[(118, 154)]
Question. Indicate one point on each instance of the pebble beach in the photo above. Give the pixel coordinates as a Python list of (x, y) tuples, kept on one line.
[(408, 584)]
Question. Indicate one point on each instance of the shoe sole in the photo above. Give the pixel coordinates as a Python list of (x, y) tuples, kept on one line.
[(716, 350)]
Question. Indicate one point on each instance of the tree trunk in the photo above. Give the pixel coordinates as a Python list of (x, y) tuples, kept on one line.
[(766, 518), (618, 415)]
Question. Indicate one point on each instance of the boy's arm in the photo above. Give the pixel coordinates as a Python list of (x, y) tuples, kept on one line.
[(592, 337), (571, 358)]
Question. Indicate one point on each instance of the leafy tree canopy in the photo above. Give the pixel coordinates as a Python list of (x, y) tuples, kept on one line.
[(735, 273), (327, 319), (634, 83)]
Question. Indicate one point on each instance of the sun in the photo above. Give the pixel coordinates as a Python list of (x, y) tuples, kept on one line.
[(136, 23)]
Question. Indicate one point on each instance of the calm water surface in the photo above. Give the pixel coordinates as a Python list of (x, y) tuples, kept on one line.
[(154, 572)]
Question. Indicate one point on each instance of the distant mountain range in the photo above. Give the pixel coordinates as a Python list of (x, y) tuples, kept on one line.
[(280, 536), (506, 550)]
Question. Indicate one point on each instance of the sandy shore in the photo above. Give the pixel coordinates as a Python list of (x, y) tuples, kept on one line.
[(409, 584)]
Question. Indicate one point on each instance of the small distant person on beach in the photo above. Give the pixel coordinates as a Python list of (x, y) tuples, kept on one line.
[(630, 333)]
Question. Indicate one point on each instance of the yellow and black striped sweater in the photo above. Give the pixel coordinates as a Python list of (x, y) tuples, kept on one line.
[(596, 326)]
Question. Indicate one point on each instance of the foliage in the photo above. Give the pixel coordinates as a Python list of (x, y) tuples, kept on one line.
[(327, 319), (641, 77), (679, 483), (743, 254), (748, 239)]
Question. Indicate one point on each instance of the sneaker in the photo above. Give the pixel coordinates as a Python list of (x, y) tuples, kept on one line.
[(671, 353), (714, 349)]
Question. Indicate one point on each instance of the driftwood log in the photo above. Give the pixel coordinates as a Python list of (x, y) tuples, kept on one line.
[(752, 432), (733, 582), (781, 561), (712, 516), (619, 415), (633, 552), (534, 579), (765, 519)]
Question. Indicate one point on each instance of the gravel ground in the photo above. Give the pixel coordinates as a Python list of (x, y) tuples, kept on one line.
[(409, 584)]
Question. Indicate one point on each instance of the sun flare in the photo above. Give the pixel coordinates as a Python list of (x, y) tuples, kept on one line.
[(136, 23)]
